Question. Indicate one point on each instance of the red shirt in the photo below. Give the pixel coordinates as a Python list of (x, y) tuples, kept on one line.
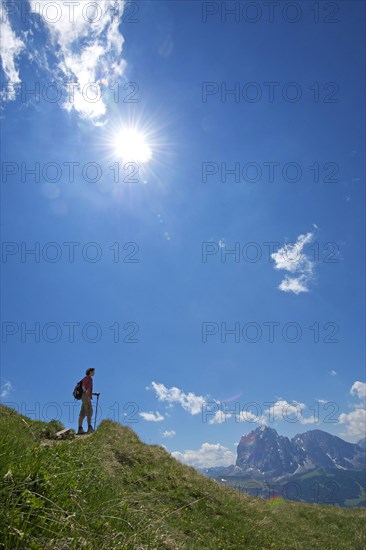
[(87, 384)]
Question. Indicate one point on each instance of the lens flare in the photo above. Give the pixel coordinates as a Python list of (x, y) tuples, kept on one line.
[(131, 146)]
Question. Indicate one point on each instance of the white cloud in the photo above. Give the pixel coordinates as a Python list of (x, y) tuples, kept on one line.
[(355, 423), (88, 48), (359, 390), (294, 284), (207, 456), (169, 433), (310, 420), (280, 410), (6, 388), (11, 47), (152, 416), (333, 373), (188, 401), (219, 417), (283, 410), (247, 416), (292, 258)]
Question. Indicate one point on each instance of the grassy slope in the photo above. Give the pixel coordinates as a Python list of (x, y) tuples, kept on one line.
[(109, 490)]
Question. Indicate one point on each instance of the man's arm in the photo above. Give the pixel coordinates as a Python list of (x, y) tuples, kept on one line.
[(85, 389)]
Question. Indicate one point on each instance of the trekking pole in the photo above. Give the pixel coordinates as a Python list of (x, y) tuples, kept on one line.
[(96, 411)]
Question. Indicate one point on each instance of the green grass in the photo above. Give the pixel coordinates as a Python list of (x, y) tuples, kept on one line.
[(109, 490)]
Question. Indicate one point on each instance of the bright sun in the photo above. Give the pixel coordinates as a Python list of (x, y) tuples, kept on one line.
[(131, 146)]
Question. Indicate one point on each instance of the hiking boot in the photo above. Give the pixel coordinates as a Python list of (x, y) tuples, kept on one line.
[(90, 429), (80, 431)]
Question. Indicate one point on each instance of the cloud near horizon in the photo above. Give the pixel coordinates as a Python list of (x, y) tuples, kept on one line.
[(355, 421), (169, 433), (359, 389), (152, 416), (207, 456), (6, 389)]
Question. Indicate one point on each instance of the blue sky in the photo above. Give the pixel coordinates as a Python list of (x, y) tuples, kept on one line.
[(150, 257)]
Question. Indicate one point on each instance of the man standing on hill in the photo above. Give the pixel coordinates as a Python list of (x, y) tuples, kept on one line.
[(86, 407)]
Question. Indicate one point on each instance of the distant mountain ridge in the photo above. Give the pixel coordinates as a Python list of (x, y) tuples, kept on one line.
[(264, 451), (314, 458)]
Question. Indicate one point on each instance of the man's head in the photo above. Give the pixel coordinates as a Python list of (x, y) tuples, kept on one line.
[(90, 372)]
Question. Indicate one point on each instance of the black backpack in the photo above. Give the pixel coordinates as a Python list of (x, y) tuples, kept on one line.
[(78, 390)]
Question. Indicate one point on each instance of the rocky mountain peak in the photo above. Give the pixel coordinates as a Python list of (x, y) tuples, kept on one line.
[(265, 452)]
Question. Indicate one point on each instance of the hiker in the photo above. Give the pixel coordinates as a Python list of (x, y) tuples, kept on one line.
[(86, 407)]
